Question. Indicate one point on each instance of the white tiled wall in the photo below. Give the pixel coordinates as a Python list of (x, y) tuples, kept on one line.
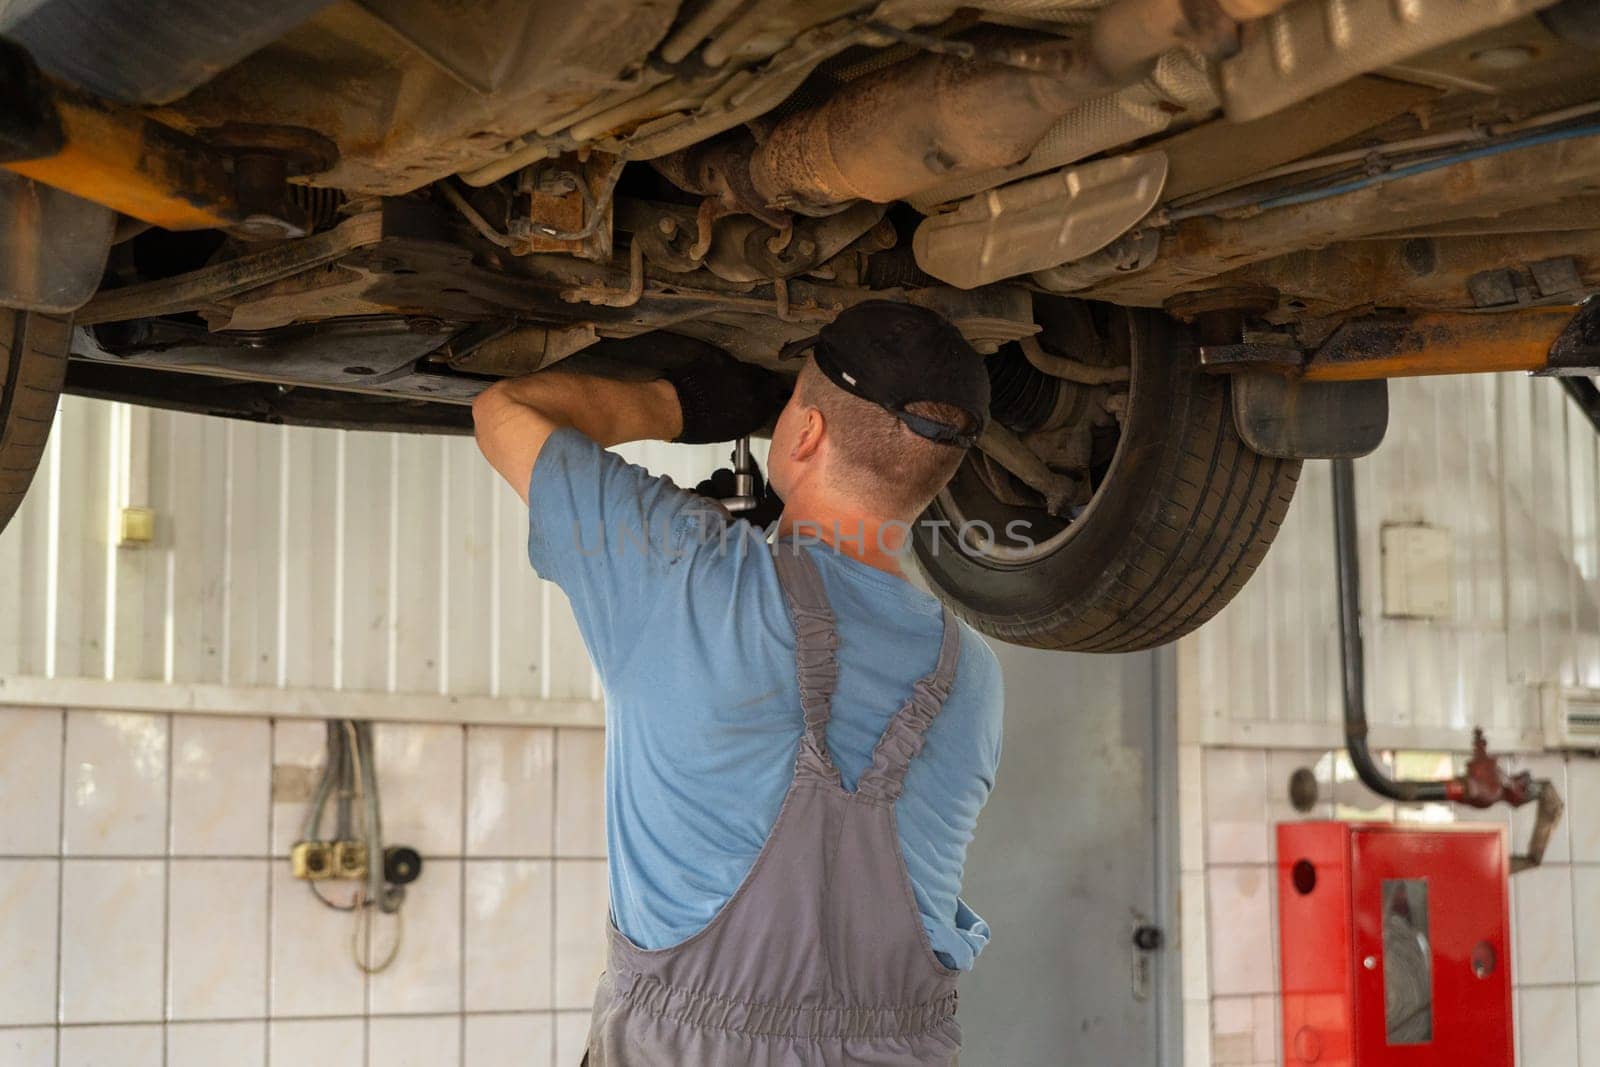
[(148, 917), (1230, 800)]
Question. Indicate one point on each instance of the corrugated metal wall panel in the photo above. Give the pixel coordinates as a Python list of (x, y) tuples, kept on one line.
[(1513, 471), (286, 557)]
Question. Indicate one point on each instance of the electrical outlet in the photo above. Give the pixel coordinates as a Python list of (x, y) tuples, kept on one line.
[(349, 859), (312, 860)]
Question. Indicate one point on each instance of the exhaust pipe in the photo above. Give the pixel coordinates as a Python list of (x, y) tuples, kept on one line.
[(893, 134)]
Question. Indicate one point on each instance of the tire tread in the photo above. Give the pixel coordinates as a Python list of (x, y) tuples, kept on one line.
[(33, 365), (1211, 509)]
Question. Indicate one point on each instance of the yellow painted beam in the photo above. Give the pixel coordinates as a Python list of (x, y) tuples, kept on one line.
[(115, 157)]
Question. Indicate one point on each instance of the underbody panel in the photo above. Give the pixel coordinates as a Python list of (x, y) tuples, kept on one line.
[(410, 198)]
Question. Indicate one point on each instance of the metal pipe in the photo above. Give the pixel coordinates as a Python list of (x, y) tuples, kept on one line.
[(470, 213), (697, 28), (749, 22), (1072, 370), (1548, 816), (1011, 452), (1352, 655), (1484, 783), (604, 295), (973, 114)]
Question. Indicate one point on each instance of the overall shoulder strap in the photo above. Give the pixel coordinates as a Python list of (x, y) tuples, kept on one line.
[(816, 639), (902, 740)]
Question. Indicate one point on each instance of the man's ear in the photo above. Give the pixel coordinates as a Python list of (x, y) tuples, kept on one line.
[(808, 439)]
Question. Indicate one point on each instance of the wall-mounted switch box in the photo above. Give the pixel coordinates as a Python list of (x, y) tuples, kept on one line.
[(312, 860), (1418, 566), (349, 859), (136, 527)]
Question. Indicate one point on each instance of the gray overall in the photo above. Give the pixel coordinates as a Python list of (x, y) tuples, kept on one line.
[(820, 959)]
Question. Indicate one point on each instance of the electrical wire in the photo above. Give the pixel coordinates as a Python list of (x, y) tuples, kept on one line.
[(360, 747), (336, 768), (368, 751), (358, 766), (360, 952), (367, 773), (346, 786), (333, 904), (312, 827), (350, 760)]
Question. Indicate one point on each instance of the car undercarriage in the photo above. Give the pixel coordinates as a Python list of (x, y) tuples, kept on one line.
[(1191, 236)]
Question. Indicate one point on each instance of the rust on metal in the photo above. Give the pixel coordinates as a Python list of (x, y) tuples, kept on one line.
[(1129, 34), (1577, 349), (117, 158), (890, 134), (909, 127), (1416, 272), (525, 350), (412, 91), (550, 200), (1196, 250), (606, 296), (1247, 299), (1439, 343), (1250, 356), (197, 288)]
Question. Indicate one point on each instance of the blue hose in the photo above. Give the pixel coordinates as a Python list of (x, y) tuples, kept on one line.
[(1545, 137)]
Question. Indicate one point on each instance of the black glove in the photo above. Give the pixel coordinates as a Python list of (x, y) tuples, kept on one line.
[(723, 399), (721, 486)]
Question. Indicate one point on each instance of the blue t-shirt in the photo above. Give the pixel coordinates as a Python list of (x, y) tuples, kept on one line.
[(687, 625)]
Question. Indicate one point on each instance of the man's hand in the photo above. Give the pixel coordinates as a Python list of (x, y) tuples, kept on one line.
[(721, 485), (723, 399)]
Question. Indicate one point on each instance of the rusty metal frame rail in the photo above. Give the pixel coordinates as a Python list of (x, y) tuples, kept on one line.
[(186, 292), (1558, 340), (1439, 343)]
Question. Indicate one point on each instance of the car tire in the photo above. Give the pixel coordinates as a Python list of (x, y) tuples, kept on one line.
[(33, 364), (1180, 519)]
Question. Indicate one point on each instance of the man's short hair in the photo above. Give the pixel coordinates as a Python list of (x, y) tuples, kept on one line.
[(877, 458)]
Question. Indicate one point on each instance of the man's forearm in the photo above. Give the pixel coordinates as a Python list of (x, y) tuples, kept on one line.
[(714, 398), (514, 418), (607, 411)]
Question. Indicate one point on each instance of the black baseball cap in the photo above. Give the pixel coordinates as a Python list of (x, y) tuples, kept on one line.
[(896, 355)]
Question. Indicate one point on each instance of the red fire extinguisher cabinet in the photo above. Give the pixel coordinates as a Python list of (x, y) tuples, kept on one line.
[(1394, 945)]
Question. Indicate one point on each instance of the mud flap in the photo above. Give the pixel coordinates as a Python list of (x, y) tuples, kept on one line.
[(1288, 418), (53, 246)]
